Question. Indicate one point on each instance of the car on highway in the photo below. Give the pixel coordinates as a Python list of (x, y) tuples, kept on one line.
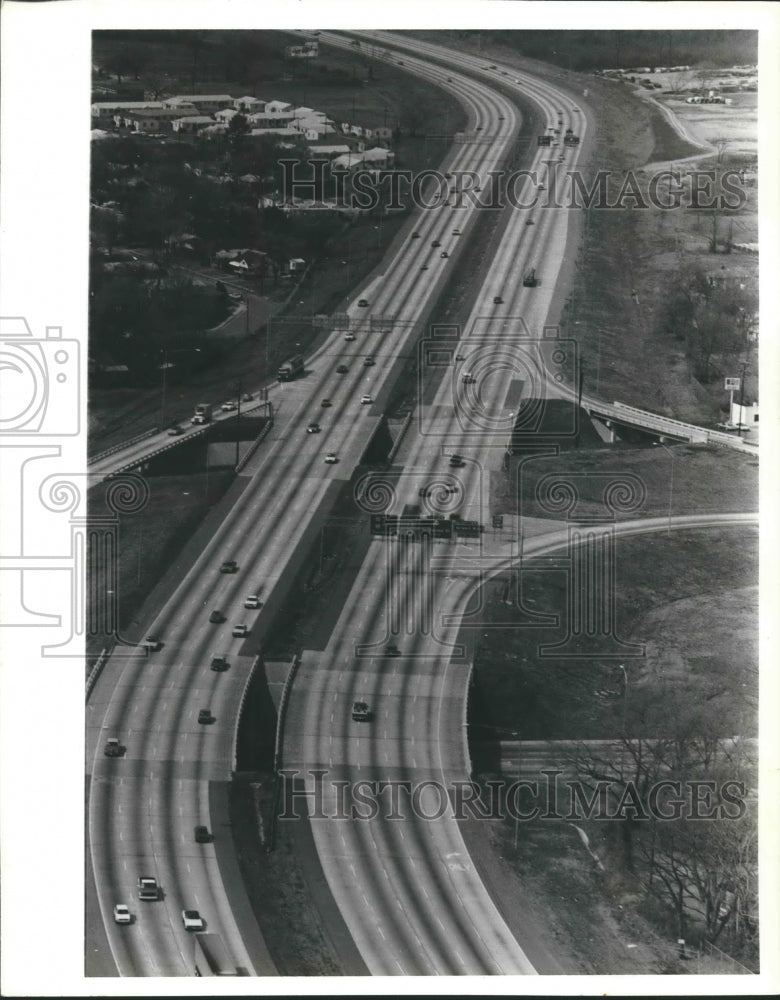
[(415, 235), (148, 888), (360, 711), (362, 302), (216, 617), (326, 402), (122, 914), (229, 566), (349, 336), (175, 431), (247, 397), (152, 643), (369, 362), (449, 79), (435, 243), (240, 631), (456, 461), (392, 650), (342, 370), (114, 748), (424, 267), (529, 222), (205, 717), (497, 300), (252, 602), (444, 254), (365, 398), (231, 404), (313, 428), (202, 835), (192, 920), (456, 232), (331, 458), (219, 662), (726, 425)]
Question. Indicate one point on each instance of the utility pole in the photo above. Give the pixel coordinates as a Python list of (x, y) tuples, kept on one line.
[(238, 421), (744, 366)]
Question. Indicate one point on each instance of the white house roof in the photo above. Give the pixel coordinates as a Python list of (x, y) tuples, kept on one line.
[(196, 98), (274, 106), (196, 120)]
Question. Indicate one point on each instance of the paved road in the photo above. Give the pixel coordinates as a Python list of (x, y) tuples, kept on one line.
[(142, 809)]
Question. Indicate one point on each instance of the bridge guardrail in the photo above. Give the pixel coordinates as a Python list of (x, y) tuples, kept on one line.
[(124, 444)]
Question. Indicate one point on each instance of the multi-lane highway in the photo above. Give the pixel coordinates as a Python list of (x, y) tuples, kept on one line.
[(408, 890), (143, 807)]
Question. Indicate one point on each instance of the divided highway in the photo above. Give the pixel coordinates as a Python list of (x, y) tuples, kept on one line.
[(143, 807)]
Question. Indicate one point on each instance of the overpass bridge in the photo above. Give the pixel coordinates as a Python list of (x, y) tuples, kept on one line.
[(606, 417)]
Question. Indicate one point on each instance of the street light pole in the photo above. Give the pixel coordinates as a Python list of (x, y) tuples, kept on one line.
[(744, 366), (625, 695), (671, 487)]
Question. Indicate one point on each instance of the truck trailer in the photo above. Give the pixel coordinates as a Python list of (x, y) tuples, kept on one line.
[(291, 369), (211, 957)]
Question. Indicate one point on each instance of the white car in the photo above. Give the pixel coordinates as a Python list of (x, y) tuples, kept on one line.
[(192, 920), (252, 602), (122, 914), (230, 405), (331, 458), (240, 631), (349, 336), (365, 398)]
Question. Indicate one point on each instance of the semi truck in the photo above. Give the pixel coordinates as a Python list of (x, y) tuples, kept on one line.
[(202, 413), (211, 957), (291, 369)]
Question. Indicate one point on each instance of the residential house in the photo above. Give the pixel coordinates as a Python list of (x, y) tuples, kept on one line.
[(225, 114), (107, 110), (247, 105), (278, 107), (192, 123), (206, 104), (271, 119), (383, 132)]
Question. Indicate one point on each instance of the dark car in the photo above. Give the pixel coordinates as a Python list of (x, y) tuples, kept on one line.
[(205, 717), (229, 566), (219, 662), (362, 302), (326, 402), (216, 617), (497, 300), (313, 428), (444, 253), (342, 370), (435, 243), (369, 362), (175, 431), (361, 712), (456, 461), (202, 835)]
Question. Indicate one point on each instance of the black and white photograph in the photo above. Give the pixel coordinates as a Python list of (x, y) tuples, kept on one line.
[(387, 564)]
